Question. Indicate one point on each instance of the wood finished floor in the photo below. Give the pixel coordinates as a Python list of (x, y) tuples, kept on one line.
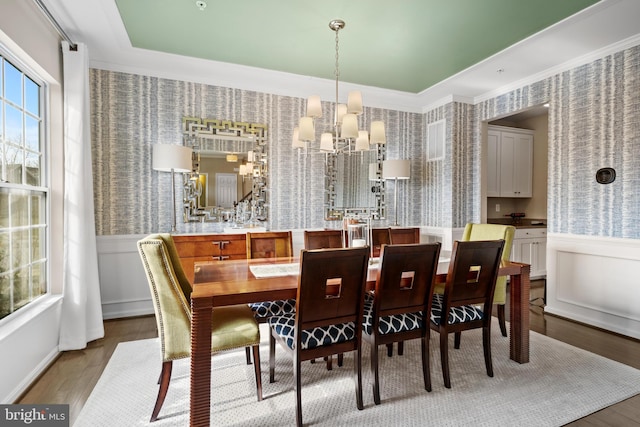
[(73, 375)]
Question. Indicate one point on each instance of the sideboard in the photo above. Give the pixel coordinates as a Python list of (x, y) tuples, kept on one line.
[(207, 247)]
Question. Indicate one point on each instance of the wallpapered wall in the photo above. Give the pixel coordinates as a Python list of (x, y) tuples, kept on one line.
[(594, 122), (130, 112)]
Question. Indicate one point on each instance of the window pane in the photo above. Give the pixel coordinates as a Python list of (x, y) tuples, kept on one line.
[(5, 296), (13, 164), (32, 139), (38, 244), (39, 279), (37, 210), (4, 253), (19, 248), (4, 208), (21, 294), (32, 96), (14, 125), (19, 213), (32, 161), (12, 84)]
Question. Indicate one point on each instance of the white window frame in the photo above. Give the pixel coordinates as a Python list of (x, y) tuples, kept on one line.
[(435, 140)]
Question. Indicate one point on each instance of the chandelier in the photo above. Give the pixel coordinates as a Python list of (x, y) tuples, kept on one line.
[(345, 137)]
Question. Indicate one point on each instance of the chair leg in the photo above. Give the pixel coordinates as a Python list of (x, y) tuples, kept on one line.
[(456, 339), (340, 359), (256, 359), (390, 349), (272, 358), (165, 378), (374, 372), (298, 386), (501, 320), (486, 344), (329, 360), (400, 348), (248, 353), (426, 371), (358, 374), (444, 358)]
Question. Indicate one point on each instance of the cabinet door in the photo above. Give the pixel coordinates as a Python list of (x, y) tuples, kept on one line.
[(516, 164), (493, 164), (533, 252)]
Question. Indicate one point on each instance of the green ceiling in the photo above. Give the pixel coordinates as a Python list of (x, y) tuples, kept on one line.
[(406, 45)]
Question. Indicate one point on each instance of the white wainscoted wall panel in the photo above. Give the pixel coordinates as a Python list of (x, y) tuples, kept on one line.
[(594, 280)]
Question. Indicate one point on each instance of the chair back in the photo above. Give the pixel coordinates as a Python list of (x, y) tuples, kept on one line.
[(169, 293), (331, 288), (404, 279), (401, 236), (323, 239), (269, 245), (379, 237), (493, 232), (472, 275)]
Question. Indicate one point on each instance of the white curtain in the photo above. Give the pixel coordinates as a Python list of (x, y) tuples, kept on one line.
[(81, 320)]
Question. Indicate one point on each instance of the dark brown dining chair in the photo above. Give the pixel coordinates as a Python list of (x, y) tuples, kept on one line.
[(379, 237), (403, 236), (398, 309), (468, 297), (329, 304), (274, 244), (231, 327), (325, 239)]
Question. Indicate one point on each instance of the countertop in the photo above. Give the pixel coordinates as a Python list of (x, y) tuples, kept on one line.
[(520, 222)]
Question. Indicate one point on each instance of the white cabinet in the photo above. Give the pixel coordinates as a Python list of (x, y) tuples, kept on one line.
[(530, 247), (509, 162)]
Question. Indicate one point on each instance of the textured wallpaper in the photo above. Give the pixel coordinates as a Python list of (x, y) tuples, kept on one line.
[(594, 122)]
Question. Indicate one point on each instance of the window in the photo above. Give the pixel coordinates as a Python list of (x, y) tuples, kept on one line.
[(435, 140), (23, 191)]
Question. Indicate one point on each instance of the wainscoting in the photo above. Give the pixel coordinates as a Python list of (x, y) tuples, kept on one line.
[(594, 280)]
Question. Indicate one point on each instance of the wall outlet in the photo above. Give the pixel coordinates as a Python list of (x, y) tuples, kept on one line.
[(497, 207)]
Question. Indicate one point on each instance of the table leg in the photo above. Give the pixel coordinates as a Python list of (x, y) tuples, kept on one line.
[(519, 315), (200, 396)]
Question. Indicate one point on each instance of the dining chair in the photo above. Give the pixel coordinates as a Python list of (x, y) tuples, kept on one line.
[(493, 232), (325, 239), (379, 237), (328, 316), (468, 297), (398, 309), (273, 244), (231, 327), (401, 236)]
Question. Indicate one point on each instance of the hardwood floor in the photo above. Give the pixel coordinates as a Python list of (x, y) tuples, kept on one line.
[(73, 375)]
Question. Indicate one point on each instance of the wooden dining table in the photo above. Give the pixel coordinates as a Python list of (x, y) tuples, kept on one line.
[(221, 283)]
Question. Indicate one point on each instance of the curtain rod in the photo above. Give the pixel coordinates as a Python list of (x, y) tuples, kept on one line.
[(57, 26)]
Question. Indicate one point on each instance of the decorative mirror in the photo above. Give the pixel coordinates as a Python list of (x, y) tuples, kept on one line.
[(354, 184), (228, 181)]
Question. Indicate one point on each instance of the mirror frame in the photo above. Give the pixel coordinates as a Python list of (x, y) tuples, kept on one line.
[(376, 212), (226, 136)]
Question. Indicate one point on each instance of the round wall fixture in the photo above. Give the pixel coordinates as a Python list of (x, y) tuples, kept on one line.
[(605, 175), (201, 4)]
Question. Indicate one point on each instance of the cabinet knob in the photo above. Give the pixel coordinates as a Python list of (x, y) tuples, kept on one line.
[(223, 257)]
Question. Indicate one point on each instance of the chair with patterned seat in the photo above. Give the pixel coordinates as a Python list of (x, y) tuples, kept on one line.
[(328, 316), (231, 327), (403, 236), (379, 237), (468, 297), (398, 309)]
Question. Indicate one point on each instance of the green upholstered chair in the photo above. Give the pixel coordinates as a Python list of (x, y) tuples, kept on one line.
[(231, 327), (474, 232)]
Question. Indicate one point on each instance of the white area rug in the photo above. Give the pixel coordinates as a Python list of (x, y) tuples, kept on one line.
[(560, 384)]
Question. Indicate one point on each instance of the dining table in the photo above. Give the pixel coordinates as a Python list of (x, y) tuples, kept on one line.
[(230, 282)]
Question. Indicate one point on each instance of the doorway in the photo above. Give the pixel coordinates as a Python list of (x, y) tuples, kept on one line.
[(226, 189)]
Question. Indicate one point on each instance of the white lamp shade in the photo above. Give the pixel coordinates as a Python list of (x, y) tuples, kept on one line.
[(362, 142), (296, 143), (314, 107), (326, 142), (341, 111), (166, 157), (242, 170), (232, 158), (377, 133), (349, 126), (354, 102), (306, 131), (396, 169)]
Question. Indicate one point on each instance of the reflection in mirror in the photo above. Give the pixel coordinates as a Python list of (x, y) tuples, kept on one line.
[(354, 184), (229, 175)]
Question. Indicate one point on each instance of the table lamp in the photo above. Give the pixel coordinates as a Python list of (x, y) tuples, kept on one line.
[(396, 169), (172, 158)]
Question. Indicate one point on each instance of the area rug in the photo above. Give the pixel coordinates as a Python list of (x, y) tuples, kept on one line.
[(560, 384)]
